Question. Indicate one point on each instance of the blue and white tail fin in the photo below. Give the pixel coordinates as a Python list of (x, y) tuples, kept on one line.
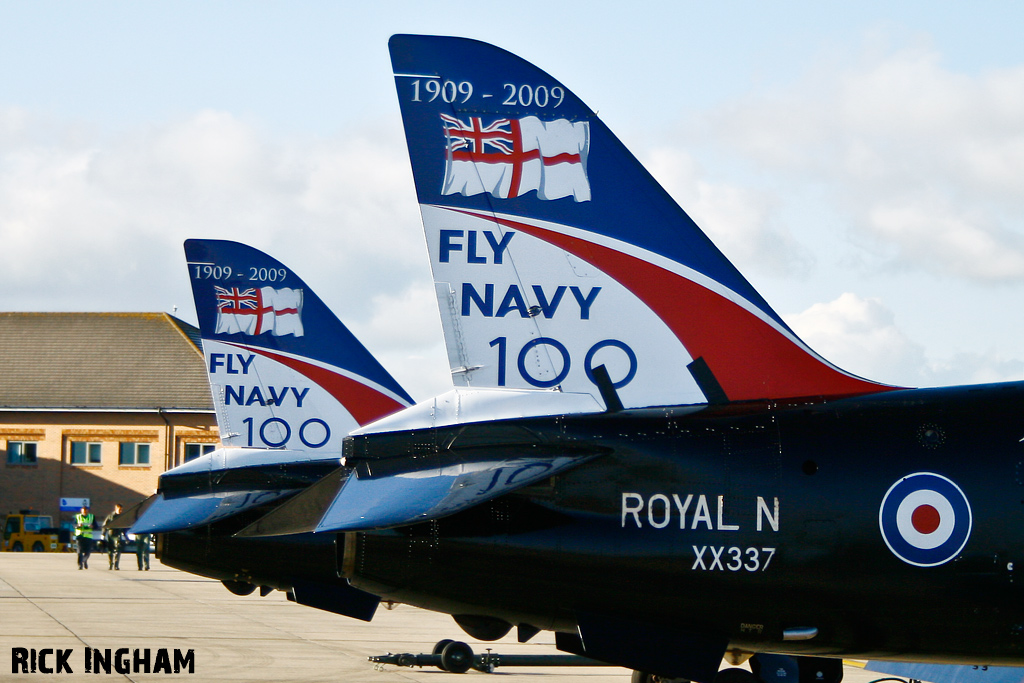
[(289, 382), (284, 371), (554, 252)]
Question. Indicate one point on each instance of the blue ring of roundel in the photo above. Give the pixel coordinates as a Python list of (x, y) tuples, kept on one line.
[(961, 525)]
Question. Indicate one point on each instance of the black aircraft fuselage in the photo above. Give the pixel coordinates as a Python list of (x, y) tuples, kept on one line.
[(800, 527)]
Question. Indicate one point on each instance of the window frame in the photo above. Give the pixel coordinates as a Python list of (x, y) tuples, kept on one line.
[(20, 458), (136, 449), (91, 448), (204, 448)]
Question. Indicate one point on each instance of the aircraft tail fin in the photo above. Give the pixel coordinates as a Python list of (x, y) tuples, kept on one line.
[(555, 252), (284, 371), (289, 382)]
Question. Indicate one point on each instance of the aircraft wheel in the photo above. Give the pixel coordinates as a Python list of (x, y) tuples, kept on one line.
[(37, 547), (644, 677), (17, 547), (239, 587), (734, 675), (456, 657)]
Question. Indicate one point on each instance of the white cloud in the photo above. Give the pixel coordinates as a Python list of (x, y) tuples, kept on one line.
[(923, 163), (109, 215), (396, 333), (973, 246), (926, 161), (861, 336), (975, 368), (96, 222), (738, 220)]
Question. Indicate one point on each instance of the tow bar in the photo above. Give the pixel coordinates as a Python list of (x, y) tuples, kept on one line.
[(457, 657)]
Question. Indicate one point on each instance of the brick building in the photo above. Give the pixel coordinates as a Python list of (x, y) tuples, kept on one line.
[(97, 405)]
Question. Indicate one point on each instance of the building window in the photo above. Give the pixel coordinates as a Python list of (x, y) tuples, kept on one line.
[(83, 453), (21, 452), (134, 454), (194, 450)]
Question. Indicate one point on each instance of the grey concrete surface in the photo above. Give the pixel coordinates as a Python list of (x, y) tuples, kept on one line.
[(46, 602)]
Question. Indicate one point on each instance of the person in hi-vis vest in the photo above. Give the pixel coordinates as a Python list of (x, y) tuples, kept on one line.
[(84, 521)]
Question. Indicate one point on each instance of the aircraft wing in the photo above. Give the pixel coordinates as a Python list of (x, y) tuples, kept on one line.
[(224, 483), (187, 512), (382, 495)]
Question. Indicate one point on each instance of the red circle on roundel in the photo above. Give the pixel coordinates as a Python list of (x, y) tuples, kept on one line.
[(925, 519)]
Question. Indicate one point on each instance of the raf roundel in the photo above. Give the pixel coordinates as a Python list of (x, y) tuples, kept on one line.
[(925, 519)]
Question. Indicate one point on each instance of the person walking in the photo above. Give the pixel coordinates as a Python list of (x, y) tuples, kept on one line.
[(84, 521), (142, 550), (114, 538)]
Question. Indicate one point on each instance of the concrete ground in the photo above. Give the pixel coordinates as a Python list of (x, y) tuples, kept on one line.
[(46, 602)]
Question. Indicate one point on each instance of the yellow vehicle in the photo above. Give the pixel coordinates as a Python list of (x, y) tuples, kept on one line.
[(27, 530)]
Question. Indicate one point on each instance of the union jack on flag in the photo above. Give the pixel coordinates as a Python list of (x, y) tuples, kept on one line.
[(256, 310), (509, 157), (235, 299), (476, 138)]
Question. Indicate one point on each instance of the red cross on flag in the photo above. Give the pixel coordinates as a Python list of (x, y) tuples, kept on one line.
[(257, 310), (510, 157)]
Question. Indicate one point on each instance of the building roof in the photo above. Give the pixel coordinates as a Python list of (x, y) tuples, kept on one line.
[(101, 361)]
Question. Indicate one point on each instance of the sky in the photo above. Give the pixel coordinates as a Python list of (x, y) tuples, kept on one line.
[(862, 165)]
